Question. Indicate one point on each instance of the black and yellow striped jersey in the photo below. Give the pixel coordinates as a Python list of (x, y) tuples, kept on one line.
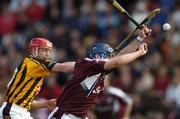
[(27, 81)]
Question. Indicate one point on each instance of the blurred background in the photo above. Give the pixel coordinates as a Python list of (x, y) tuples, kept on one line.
[(152, 82)]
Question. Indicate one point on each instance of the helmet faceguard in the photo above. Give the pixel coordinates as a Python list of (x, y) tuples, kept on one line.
[(41, 48), (103, 50)]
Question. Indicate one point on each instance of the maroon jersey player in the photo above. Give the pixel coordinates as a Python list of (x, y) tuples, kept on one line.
[(87, 81), (113, 104)]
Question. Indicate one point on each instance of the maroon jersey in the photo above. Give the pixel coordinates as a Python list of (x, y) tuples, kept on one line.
[(107, 107), (111, 104), (82, 89)]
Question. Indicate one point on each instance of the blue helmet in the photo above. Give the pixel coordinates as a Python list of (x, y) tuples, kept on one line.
[(101, 49)]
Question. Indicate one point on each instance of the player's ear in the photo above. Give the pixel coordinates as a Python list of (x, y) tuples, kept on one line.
[(33, 51)]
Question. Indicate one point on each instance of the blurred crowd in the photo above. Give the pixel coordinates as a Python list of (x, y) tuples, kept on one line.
[(152, 81)]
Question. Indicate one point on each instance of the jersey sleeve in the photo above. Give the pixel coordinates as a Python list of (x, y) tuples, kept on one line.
[(48, 65)]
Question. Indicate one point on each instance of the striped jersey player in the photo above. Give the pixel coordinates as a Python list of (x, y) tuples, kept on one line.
[(27, 80)]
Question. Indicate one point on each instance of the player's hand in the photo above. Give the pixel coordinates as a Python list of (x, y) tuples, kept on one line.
[(143, 49), (51, 104), (144, 32), (125, 118)]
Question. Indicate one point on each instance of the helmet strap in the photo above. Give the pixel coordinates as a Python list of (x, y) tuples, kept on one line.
[(36, 52)]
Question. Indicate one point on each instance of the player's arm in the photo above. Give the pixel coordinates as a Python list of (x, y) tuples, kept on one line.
[(63, 67), (129, 105), (128, 108), (67, 67), (143, 33), (50, 104), (126, 58)]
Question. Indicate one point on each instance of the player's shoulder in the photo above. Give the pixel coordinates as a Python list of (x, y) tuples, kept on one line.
[(31, 60), (95, 60), (87, 61), (116, 91), (34, 61)]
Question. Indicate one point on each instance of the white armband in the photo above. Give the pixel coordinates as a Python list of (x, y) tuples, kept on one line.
[(139, 39)]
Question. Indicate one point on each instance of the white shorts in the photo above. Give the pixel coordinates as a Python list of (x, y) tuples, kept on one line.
[(15, 112), (64, 116)]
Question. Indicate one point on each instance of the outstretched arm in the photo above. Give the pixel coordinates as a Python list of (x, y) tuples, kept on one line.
[(64, 67), (124, 59), (143, 33)]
